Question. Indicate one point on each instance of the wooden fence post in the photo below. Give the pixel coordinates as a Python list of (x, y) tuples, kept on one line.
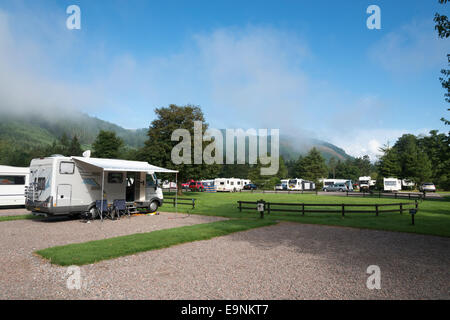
[(303, 209), (240, 206), (401, 208), (376, 210), (193, 203), (173, 202), (268, 207), (343, 210)]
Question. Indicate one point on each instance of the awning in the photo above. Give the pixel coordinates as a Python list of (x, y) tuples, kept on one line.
[(123, 165)]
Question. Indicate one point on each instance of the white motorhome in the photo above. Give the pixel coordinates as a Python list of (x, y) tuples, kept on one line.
[(408, 184), (392, 184), (72, 185), (366, 183), (228, 184), (13, 181), (300, 184)]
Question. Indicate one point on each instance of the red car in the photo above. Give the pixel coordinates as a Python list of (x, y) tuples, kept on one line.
[(186, 185), (196, 186)]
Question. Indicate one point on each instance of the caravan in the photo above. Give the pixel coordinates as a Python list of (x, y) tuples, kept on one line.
[(392, 184), (13, 181), (229, 184), (72, 185)]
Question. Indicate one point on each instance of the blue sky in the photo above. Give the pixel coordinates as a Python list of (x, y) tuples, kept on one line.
[(307, 68)]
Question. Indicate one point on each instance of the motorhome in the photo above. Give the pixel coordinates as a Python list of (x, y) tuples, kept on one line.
[(284, 183), (62, 185), (408, 184), (13, 181), (392, 184), (331, 182), (228, 184), (300, 184), (366, 183)]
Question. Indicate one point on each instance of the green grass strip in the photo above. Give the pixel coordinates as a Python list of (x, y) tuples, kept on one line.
[(19, 217), (94, 251)]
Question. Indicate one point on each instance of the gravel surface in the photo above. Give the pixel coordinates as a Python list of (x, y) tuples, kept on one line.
[(286, 261), (13, 212)]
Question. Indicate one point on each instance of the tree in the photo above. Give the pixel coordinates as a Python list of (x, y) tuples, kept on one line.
[(107, 145), (443, 28), (158, 147), (75, 147), (312, 166)]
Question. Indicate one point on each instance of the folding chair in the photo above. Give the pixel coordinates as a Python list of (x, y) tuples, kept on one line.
[(98, 204), (120, 207)]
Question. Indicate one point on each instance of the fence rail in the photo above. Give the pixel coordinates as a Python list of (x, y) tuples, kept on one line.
[(343, 208), (184, 201)]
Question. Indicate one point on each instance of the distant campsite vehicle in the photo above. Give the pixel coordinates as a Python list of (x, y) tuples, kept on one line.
[(300, 184), (196, 186), (250, 186), (428, 187), (13, 181), (366, 183), (229, 184), (392, 184), (330, 182), (169, 185), (408, 184), (341, 187), (74, 185)]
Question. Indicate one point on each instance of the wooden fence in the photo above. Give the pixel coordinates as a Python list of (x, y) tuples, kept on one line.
[(342, 208), (184, 201)]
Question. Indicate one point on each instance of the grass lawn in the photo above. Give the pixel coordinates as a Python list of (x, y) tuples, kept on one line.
[(94, 251), (19, 217), (433, 217)]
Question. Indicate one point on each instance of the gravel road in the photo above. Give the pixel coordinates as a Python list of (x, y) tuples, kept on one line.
[(13, 212), (286, 261)]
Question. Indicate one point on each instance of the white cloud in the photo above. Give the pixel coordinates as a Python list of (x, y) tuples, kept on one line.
[(413, 48)]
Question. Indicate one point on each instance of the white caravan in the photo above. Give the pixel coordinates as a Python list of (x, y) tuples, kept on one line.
[(408, 184), (392, 184), (300, 184), (13, 181), (72, 185), (228, 184)]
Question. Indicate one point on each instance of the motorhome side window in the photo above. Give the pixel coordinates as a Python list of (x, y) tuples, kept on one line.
[(115, 177), (41, 184), (66, 167), (12, 180)]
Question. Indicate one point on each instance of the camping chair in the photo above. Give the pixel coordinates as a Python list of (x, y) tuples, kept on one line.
[(105, 212), (120, 207)]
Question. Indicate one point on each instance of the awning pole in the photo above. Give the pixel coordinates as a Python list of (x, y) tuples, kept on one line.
[(176, 192), (101, 204)]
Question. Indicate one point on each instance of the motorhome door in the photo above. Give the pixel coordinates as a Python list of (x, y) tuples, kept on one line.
[(64, 195)]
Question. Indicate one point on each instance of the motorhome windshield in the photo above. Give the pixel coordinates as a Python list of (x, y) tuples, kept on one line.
[(293, 181)]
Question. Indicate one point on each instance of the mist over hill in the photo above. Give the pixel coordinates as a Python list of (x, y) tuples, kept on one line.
[(34, 128)]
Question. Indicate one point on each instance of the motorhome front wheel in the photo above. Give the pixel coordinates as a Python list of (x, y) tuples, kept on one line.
[(153, 206)]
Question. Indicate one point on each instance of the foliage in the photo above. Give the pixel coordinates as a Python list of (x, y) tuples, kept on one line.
[(311, 167), (107, 145)]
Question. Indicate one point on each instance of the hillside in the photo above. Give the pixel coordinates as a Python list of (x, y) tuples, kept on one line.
[(36, 129)]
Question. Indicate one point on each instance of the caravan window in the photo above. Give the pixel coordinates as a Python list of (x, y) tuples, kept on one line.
[(66, 167), (115, 177), (12, 180)]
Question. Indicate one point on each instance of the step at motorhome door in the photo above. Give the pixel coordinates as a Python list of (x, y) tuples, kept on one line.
[(64, 195)]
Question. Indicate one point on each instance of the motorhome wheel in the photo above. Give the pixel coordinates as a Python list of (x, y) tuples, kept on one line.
[(153, 206)]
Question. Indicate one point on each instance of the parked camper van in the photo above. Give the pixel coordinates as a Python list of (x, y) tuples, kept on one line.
[(71, 185), (366, 183), (300, 184), (13, 181), (392, 184)]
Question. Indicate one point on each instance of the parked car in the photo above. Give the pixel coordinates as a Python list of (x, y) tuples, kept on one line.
[(279, 187), (428, 187), (250, 186), (336, 187), (196, 186)]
